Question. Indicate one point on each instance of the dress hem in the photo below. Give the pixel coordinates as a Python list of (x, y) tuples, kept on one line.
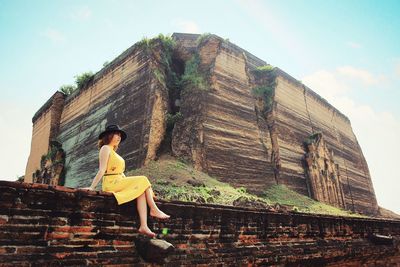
[(133, 197)]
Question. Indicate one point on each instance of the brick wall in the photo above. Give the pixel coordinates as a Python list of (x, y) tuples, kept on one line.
[(42, 224)]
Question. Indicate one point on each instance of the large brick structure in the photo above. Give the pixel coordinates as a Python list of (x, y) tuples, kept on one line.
[(224, 129)]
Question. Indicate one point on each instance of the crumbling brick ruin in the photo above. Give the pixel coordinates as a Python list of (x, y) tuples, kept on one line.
[(202, 98)]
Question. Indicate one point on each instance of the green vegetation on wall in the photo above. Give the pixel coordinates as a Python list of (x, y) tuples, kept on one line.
[(168, 43), (192, 78), (263, 69), (267, 89), (170, 79), (160, 77), (202, 37), (266, 92), (175, 179), (163, 47), (283, 195), (55, 148), (67, 89), (81, 80), (206, 35), (172, 118), (52, 169)]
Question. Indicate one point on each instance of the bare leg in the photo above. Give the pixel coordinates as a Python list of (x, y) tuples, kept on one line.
[(142, 209), (154, 210), (150, 200)]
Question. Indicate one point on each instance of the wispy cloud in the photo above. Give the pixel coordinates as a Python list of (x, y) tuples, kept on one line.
[(366, 77), (54, 35), (376, 131), (326, 83), (184, 25), (331, 83), (82, 13), (269, 19), (353, 44)]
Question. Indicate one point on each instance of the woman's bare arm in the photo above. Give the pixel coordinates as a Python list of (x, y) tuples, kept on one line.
[(103, 158)]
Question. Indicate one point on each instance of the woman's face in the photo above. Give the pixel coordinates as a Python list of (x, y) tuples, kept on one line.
[(116, 139)]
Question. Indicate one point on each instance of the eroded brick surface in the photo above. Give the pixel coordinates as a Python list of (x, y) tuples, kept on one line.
[(54, 225)]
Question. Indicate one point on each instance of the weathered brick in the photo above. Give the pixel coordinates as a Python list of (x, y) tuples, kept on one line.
[(53, 235)]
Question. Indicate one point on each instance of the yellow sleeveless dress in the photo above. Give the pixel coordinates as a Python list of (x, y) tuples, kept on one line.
[(124, 188)]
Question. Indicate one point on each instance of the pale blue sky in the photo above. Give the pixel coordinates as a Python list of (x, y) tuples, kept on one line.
[(347, 51)]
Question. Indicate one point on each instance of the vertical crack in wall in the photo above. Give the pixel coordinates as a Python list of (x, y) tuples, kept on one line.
[(264, 79), (168, 81), (261, 123), (163, 99), (196, 81), (275, 156), (304, 162), (172, 109), (308, 113)]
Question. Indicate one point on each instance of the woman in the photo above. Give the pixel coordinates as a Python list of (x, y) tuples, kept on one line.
[(112, 167)]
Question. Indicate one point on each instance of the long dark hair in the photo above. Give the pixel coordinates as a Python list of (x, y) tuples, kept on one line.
[(106, 139)]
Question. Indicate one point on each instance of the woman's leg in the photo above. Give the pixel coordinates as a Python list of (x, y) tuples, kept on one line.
[(150, 200), (154, 210), (142, 209)]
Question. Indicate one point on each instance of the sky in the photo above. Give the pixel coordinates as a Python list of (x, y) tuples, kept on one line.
[(346, 51)]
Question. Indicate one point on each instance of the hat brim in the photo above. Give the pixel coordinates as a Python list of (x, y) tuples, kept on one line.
[(123, 134)]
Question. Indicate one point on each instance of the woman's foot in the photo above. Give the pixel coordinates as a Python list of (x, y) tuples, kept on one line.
[(146, 231), (158, 214)]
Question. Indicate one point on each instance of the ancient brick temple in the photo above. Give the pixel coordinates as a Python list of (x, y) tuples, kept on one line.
[(205, 99)]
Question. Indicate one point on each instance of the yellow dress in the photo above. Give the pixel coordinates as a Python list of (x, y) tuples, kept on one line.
[(124, 188)]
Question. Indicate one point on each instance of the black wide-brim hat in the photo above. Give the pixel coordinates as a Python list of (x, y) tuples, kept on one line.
[(113, 128)]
